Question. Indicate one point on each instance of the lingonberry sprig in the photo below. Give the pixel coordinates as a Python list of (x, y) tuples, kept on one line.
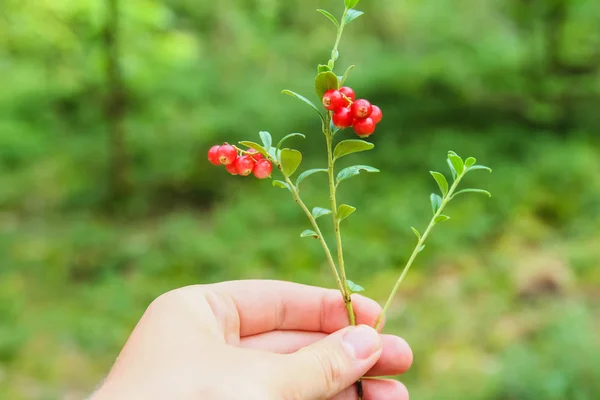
[(341, 110)]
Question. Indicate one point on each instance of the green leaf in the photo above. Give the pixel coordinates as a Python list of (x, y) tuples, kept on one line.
[(319, 212), (353, 171), (344, 211), (331, 17), (308, 173), (451, 168), (256, 147), (470, 162), (441, 218), (351, 3), (457, 163), (290, 160), (416, 232), (291, 135), (351, 15), (323, 68), (475, 167), (354, 288), (436, 202), (309, 233), (350, 146), (420, 249), (325, 81), (441, 181), (346, 74), (305, 100), (282, 185), (480, 191), (266, 139)]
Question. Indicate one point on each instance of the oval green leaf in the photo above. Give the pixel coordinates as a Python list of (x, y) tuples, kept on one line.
[(420, 249), (329, 16), (324, 82), (470, 162), (309, 233), (305, 100), (344, 211), (354, 288), (457, 163), (452, 170), (436, 202), (351, 3), (441, 218), (319, 212), (282, 185), (266, 139), (480, 191), (290, 160), (308, 173), (255, 146), (441, 181), (476, 167), (350, 146), (351, 15), (291, 135), (353, 171)]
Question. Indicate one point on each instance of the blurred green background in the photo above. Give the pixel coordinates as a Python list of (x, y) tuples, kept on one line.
[(107, 109)]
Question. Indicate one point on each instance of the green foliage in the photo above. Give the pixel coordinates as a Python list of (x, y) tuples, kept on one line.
[(503, 304)]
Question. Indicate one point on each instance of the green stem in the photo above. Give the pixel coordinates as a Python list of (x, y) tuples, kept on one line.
[(336, 226), (314, 224), (338, 38), (416, 251)]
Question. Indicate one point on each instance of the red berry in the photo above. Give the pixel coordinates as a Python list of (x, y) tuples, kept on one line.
[(332, 99), (213, 157), (361, 109), (349, 93), (263, 169), (244, 165), (376, 115), (227, 154), (364, 127), (256, 156), (342, 117), (231, 168)]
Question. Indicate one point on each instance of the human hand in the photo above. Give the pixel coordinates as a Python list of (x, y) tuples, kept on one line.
[(256, 340)]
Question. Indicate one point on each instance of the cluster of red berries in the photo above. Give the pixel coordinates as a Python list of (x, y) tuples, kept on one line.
[(243, 164), (348, 112)]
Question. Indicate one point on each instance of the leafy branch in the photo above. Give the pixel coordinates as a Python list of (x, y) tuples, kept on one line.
[(459, 170)]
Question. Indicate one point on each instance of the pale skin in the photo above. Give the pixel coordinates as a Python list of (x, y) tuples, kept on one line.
[(263, 340)]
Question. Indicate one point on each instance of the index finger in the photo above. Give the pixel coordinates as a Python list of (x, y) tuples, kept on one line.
[(264, 306)]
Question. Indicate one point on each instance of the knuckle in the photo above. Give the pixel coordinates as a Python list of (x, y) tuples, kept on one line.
[(330, 366)]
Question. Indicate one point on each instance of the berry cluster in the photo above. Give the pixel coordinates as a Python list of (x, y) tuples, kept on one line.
[(348, 112), (239, 162)]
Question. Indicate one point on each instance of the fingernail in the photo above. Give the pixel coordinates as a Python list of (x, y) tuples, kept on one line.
[(361, 342)]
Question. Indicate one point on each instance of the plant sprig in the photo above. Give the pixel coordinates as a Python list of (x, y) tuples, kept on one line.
[(459, 169)]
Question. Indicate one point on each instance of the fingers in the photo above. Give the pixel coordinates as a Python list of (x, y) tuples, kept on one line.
[(376, 389), (329, 366), (265, 306), (395, 359)]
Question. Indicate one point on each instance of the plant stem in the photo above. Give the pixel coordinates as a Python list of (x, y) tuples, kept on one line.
[(315, 226), (338, 37), (417, 248), (336, 226)]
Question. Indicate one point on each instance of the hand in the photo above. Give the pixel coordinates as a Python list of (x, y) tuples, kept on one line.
[(258, 340)]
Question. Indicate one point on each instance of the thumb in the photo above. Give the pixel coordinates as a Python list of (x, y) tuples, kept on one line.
[(327, 367)]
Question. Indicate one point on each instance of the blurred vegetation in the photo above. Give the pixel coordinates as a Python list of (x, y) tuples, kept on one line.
[(107, 108)]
